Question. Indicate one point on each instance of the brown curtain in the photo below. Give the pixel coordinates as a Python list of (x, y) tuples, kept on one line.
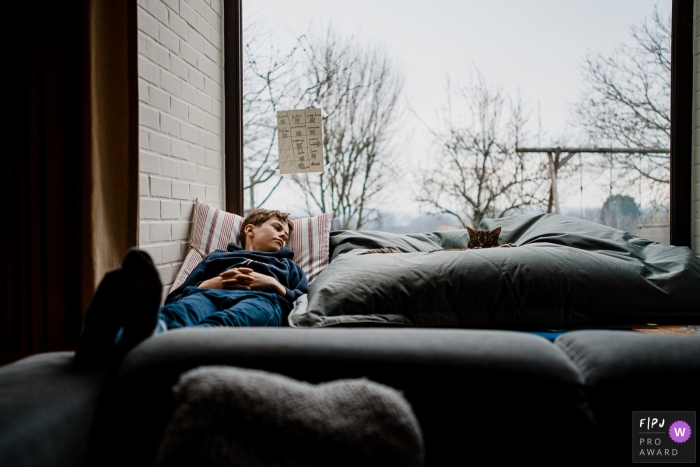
[(69, 168)]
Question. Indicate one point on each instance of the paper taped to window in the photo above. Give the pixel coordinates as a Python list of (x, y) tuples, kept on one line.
[(300, 140)]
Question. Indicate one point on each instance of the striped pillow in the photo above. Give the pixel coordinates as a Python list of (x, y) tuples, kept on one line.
[(213, 229)]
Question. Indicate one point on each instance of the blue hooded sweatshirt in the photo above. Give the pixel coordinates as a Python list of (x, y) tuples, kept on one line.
[(278, 264)]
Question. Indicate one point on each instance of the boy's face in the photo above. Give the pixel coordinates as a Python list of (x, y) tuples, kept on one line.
[(270, 236)]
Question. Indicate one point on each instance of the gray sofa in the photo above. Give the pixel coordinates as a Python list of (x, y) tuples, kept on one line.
[(505, 396)]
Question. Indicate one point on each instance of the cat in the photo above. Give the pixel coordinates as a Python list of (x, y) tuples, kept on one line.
[(478, 239)]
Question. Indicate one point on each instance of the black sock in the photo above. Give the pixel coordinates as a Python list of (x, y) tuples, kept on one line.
[(102, 322), (141, 297)]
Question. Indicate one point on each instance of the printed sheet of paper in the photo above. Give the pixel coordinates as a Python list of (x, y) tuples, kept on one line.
[(299, 138)]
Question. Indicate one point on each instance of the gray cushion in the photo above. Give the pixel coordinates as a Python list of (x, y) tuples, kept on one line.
[(47, 407), (629, 371), (462, 384)]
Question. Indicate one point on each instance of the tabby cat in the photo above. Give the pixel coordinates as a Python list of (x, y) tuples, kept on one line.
[(477, 239)]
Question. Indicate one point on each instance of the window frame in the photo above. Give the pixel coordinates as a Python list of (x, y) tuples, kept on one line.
[(681, 114)]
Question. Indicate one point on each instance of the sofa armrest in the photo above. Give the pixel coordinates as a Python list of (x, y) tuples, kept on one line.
[(465, 386), (628, 371), (47, 406)]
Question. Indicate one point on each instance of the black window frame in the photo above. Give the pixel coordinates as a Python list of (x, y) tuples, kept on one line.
[(681, 114)]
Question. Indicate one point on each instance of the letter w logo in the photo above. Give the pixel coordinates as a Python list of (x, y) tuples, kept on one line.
[(679, 431)]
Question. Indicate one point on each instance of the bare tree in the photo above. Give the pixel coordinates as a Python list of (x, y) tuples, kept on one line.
[(359, 87), (270, 81), (478, 173), (626, 101)]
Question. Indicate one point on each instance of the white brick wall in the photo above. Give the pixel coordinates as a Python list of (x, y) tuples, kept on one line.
[(180, 46), (696, 130)]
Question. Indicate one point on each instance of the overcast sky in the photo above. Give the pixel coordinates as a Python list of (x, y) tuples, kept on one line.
[(536, 46)]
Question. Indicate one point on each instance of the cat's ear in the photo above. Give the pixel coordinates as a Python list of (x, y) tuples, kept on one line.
[(471, 231), (496, 231)]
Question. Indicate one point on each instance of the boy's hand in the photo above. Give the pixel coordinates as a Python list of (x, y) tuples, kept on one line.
[(236, 278), (247, 279)]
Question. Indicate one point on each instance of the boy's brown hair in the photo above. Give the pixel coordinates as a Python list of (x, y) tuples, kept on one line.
[(258, 217)]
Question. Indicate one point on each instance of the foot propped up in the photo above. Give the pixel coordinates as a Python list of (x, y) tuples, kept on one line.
[(127, 299)]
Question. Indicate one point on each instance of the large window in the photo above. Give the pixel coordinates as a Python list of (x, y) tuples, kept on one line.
[(441, 116)]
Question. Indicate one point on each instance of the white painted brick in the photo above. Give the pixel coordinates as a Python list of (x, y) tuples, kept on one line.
[(171, 252), (178, 26), (189, 171), (142, 3), (170, 126), (158, 9), (213, 194), (158, 99), (143, 138), (170, 168), (157, 53), (189, 93), (197, 155), (188, 133), (197, 191), (185, 246), (217, 40), (178, 67), (207, 66), (181, 230), (170, 83), (197, 5), (202, 174), (148, 70), (178, 108), (154, 251), (213, 159), (205, 139), (147, 24), (195, 78), (180, 190), (217, 177), (143, 233), (213, 89), (169, 209), (204, 101), (179, 149), (149, 117), (174, 5), (143, 91), (217, 6), (211, 52), (186, 209), (169, 39), (213, 124), (144, 189), (196, 117), (195, 39), (204, 29), (149, 163), (159, 143), (217, 108), (142, 44), (166, 273), (212, 18), (150, 208), (187, 13), (218, 145), (160, 187)]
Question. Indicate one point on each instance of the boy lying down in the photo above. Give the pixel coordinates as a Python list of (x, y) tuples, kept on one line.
[(251, 286)]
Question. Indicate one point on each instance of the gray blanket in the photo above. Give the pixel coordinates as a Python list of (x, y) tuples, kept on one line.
[(566, 271), (227, 416)]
